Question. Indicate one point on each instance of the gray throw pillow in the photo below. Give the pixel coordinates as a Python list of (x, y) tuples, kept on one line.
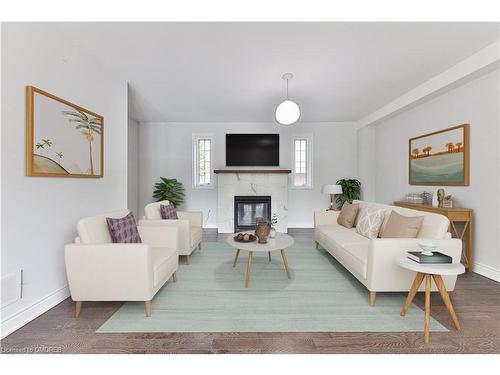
[(399, 226), (348, 214)]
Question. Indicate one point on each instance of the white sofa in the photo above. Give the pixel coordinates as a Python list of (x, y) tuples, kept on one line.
[(99, 270), (374, 261), (189, 225)]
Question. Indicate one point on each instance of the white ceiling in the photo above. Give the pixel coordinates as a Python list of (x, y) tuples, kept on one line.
[(225, 72)]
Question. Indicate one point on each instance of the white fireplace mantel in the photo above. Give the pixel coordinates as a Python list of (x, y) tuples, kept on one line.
[(269, 182)]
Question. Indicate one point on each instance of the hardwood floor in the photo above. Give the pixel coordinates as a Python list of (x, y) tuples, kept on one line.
[(476, 300)]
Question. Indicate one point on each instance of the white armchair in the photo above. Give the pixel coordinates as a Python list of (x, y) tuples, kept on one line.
[(189, 225), (99, 270)]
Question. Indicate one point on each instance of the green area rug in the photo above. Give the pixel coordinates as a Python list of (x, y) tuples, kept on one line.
[(210, 296)]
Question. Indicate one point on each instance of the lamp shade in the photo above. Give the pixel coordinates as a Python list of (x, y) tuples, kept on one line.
[(331, 189), (287, 112)]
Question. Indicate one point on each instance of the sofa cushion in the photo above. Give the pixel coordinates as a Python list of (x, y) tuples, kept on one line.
[(123, 229), (168, 212), (164, 263), (152, 210), (434, 226), (348, 214), (370, 221), (356, 257), (399, 226)]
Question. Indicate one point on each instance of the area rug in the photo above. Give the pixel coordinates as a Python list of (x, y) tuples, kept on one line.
[(210, 296)]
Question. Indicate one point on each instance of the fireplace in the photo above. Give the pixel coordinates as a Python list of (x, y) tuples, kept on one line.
[(247, 209)]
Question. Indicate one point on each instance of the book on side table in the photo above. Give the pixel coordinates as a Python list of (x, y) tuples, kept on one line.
[(437, 257)]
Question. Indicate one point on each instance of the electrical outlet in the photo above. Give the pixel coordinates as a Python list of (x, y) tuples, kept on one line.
[(12, 288)]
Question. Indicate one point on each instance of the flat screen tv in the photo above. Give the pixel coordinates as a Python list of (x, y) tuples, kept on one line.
[(253, 150)]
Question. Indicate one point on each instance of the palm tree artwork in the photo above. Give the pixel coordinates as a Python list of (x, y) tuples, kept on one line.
[(459, 145), (60, 156), (449, 146), (46, 142), (88, 126)]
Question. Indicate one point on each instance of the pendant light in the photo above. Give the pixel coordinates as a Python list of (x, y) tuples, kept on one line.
[(288, 112)]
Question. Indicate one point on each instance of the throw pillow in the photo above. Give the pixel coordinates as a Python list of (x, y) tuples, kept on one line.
[(399, 226), (348, 214), (168, 212), (370, 220), (123, 230)]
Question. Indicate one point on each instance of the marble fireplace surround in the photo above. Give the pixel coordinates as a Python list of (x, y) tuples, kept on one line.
[(253, 182)]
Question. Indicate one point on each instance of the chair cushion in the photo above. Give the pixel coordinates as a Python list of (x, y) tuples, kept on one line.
[(124, 229), (348, 214), (399, 226), (168, 212), (196, 235), (164, 263), (94, 229)]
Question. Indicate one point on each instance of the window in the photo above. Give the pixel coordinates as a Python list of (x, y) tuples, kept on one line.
[(202, 161), (302, 161)]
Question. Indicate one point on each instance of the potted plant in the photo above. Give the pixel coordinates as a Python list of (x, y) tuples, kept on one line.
[(169, 189), (351, 190), (274, 221)]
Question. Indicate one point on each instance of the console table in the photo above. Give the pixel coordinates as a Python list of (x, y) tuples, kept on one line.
[(455, 215)]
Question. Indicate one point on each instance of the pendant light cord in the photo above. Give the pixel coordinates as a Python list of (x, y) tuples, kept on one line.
[(287, 97)]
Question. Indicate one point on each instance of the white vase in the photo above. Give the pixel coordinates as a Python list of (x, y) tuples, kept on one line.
[(272, 233), (435, 201)]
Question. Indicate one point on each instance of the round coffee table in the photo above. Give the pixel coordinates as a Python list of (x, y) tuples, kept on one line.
[(428, 271), (280, 242)]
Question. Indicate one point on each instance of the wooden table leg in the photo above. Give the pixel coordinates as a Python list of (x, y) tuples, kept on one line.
[(285, 263), (427, 307), (411, 294), (236, 257), (468, 251), (249, 269), (269, 255), (446, 299)]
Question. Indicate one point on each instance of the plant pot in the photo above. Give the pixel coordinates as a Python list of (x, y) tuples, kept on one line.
[(262, 229)]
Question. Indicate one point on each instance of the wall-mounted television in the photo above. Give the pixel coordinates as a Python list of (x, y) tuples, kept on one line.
[(253, 150)]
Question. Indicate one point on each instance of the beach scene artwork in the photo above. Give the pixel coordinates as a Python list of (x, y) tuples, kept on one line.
[(440, 158), (64, 140)]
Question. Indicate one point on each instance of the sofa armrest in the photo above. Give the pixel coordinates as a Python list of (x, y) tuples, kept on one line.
[(183, 227), (325, 217), (195, 218), (109, 272), (160, 236), (384, 253)]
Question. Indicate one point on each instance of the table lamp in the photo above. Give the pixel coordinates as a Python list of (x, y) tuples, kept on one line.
[(332, 190)]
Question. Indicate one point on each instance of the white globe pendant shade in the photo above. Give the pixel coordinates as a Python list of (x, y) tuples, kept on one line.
[(287, 113)]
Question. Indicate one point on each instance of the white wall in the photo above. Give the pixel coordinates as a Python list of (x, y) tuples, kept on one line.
[(477, 103), (165, 150), (366, 162), (39, 214), (133, 168)]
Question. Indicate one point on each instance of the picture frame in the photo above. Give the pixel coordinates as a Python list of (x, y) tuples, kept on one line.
[(448, 165), (62, 139)]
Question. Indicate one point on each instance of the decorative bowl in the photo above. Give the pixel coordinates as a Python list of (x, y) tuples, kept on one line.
[(251, 238)]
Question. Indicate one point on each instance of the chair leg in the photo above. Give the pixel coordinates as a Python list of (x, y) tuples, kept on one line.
[(373, 296), (78, 308), (174, 277), (199, 246), (317, 245), (188, 259), (147, 308)]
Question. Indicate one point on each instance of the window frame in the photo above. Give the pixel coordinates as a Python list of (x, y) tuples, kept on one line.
[(308, 164), (195, 161)]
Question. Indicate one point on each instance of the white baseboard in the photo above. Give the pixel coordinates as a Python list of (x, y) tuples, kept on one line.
[(31, 312), (486, 271)]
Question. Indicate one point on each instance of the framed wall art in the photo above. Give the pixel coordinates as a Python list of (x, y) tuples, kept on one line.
[(62, 138), (440, 158)]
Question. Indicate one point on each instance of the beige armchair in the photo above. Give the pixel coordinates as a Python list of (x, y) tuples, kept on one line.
[(99, 270), (189, 225)]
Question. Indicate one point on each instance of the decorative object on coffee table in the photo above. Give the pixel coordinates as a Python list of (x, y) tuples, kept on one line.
[(332, 190), (440, 158), (262, 229), (281, 242), (274, 221), (427, 271), (440, 197), (448, 202), (426, 198), (169, 189), (351, 190)]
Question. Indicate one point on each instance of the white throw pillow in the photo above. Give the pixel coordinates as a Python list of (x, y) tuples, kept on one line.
[(370, 221)]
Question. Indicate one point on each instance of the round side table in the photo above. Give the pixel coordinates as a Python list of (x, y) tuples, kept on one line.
[(428, 271), (280, 242)]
